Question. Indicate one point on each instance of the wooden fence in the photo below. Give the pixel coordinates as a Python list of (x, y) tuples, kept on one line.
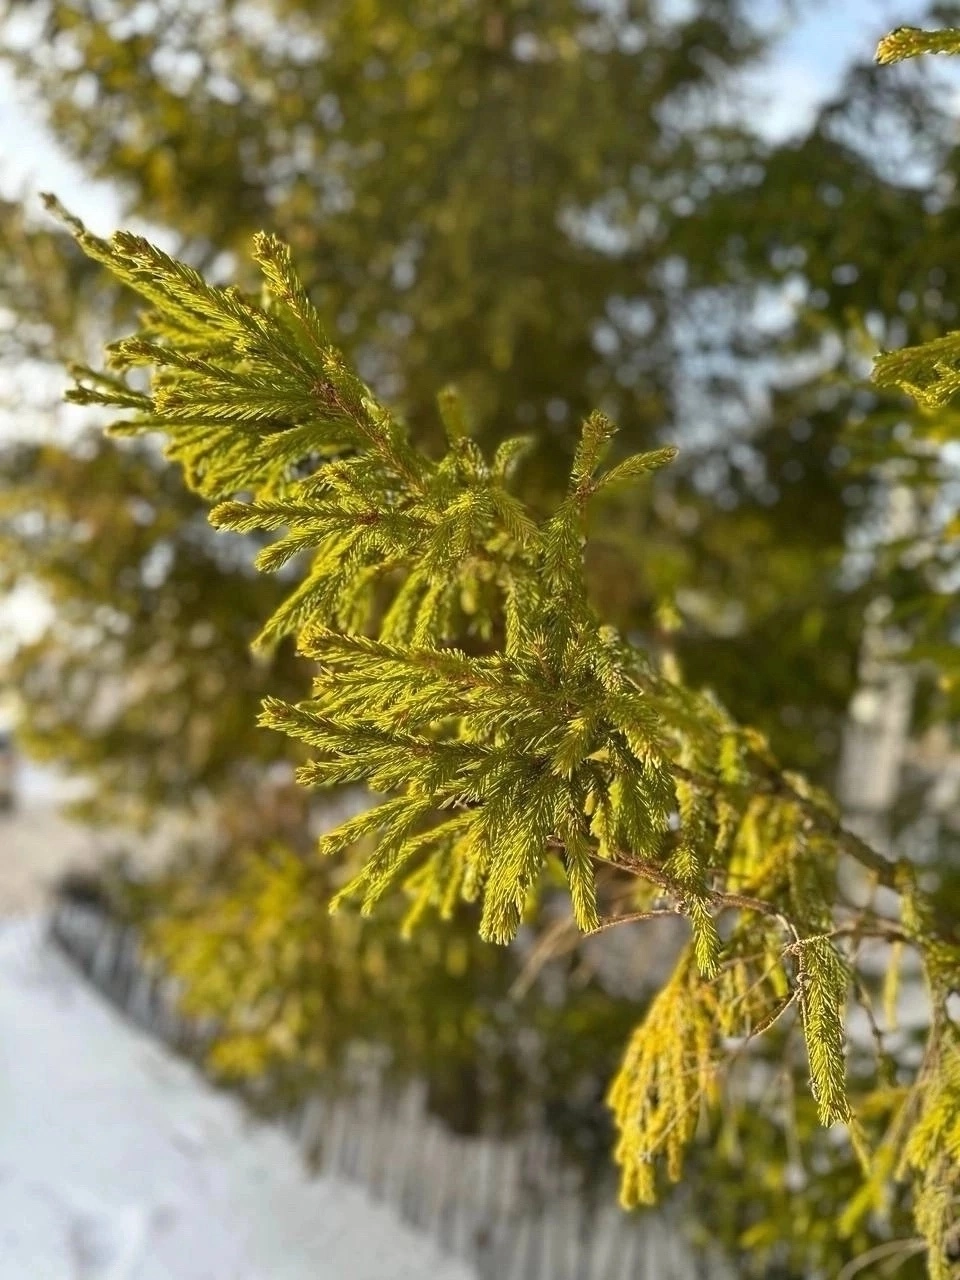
[(512, 1210)]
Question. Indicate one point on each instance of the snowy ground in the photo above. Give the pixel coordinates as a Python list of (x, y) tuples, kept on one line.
[(117, 1162)]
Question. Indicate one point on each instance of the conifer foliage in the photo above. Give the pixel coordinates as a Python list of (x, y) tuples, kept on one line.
[(462, 674)]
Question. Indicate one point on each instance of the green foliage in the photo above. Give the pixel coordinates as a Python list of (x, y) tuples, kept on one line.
[(442, 526), (667, 1072), (927, 373), (425, 164), (823, 989), (932, 1153), (911, 42), (439, 175), (141, 679), (442, 176), (557, 738), (427, 176)]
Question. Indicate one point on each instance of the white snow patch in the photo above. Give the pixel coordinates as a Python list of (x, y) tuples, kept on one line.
[(118, 1162)]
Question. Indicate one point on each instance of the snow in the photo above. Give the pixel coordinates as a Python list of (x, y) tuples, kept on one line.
[(118, 1162)]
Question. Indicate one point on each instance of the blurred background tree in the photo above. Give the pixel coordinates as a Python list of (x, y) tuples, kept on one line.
[(557, 208)]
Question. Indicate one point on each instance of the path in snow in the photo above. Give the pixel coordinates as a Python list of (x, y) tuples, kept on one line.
[(118, 1162)]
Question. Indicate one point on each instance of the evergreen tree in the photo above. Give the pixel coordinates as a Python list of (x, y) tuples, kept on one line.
[(118, 751), (433, 168), (141, 680), (549, 740), (215, 168), (620, 251)]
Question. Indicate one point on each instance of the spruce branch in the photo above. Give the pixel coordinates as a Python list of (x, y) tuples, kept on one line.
[(911, 42), (563, 741)]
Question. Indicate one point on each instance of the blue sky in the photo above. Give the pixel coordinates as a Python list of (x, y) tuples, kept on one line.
[(832, 31), (808, 62)]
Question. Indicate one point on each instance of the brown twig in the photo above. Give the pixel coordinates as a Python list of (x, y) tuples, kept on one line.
[(633, 917)]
